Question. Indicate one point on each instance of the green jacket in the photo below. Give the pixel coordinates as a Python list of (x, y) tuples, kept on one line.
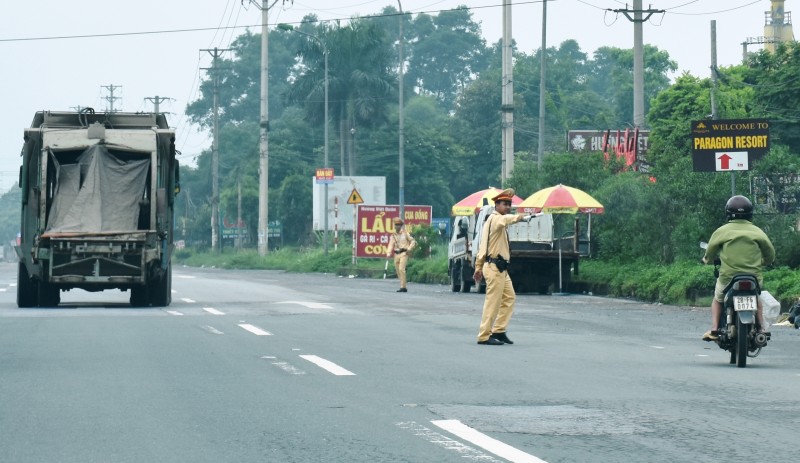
[(742, 247)]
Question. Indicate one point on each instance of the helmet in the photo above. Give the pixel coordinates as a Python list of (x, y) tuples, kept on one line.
[(739, 207)]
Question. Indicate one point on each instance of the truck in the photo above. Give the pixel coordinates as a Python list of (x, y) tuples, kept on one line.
[(540, 262), (98, 196)]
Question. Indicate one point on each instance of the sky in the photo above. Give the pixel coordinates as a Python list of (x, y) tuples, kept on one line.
[(59, 55)]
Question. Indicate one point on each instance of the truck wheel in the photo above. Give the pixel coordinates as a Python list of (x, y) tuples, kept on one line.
[(455, 277), (26, 288), (161, 294), (481, 288), (139, 296), (465, 286)]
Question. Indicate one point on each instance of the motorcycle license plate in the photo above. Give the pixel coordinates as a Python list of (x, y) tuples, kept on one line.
[(745, 303)]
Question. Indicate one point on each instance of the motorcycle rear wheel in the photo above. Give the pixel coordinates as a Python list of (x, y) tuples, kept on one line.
[(742, 331)]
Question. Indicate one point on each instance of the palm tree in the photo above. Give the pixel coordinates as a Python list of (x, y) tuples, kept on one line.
[(360, 80)]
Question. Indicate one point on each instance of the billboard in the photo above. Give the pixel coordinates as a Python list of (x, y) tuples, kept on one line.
[(728, 145), (375, 226), (629, 144), (372, 190)]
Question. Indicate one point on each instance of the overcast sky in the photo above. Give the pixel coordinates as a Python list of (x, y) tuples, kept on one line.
[(59, 54)]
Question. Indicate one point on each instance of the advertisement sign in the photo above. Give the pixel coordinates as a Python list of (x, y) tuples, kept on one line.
[(232, 229), (628, 144), (375, 226), (726, 145), (324, 175)]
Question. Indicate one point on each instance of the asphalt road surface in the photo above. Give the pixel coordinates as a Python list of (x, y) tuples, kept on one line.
[(267, 366)]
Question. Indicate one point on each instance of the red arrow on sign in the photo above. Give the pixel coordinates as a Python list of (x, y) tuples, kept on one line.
[(724, 162)]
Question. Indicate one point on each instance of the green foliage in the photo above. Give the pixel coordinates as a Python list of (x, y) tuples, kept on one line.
[(773, 77), (681, 283), (10, 214)]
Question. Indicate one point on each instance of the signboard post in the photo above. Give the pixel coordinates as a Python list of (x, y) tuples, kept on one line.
[(355, 199)]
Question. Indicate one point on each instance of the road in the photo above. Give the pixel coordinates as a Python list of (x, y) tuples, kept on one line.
[(267, 366)]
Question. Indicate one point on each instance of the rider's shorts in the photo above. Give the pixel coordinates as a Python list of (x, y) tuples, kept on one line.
[(719, 289)]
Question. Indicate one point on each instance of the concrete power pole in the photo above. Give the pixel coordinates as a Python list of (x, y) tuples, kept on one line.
[(156, 100), (263, 139), (111, 98), (542, 87), (215, 235), (638, 56), (507, 103), (401, 136)]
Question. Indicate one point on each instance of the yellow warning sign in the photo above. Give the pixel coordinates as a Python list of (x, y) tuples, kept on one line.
[(355, 197)]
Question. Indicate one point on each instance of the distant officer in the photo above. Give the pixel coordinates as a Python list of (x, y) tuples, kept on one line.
[(400, 244), (492, 263)]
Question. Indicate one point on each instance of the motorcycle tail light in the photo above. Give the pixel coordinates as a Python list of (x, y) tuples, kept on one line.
[(743, 285)]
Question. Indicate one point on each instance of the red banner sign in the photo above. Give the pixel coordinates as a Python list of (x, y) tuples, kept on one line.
[(324, 175), (374, 226)]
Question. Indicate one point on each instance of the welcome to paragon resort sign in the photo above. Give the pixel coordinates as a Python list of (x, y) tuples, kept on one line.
[(727, 145)]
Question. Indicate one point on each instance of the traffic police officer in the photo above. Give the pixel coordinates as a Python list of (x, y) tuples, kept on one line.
[(400, 244), (492, 263)]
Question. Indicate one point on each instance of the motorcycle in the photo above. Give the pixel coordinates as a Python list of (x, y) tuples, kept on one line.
[(739, 329)]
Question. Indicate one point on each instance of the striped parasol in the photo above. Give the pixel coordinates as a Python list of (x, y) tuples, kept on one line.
[(560, 199), (472, 204)]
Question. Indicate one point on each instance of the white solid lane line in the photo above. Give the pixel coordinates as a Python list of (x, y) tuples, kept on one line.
[(464, 451), (327, 365), (476, 437), (254, 329), (213, 311)]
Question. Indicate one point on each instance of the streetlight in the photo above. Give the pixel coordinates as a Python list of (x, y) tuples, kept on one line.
[(289, 27)]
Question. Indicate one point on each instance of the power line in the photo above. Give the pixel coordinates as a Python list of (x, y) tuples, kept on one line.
[(218, 28)]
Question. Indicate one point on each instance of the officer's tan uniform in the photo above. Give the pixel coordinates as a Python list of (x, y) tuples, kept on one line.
[(500, 296), (398, 241)]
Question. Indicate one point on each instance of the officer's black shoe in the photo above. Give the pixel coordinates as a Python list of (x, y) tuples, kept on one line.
[(402, 290), (491, 342), (502, 337)]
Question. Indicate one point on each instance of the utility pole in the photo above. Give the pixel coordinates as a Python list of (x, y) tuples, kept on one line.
[(215, 235), (156, 100), (507, 93), (263, 138), (542, 87), (638, 56), (714, 112), (401, 136), (111, 98)]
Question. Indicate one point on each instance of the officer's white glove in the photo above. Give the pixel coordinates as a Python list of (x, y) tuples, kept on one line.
[(528, 217)]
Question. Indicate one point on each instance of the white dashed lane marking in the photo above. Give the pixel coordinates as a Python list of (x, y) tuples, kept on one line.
[(309, 305), (174, 312), (285, 366), (211, 329), (328, 365), (254, 329), (213, 311), (187, 300)]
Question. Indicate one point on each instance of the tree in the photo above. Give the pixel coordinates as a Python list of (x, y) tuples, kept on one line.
[(446, 53), (359, 80), (611, 76), (777, 91)]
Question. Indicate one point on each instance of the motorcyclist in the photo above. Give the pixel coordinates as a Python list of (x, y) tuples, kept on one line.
[(742, 248)]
